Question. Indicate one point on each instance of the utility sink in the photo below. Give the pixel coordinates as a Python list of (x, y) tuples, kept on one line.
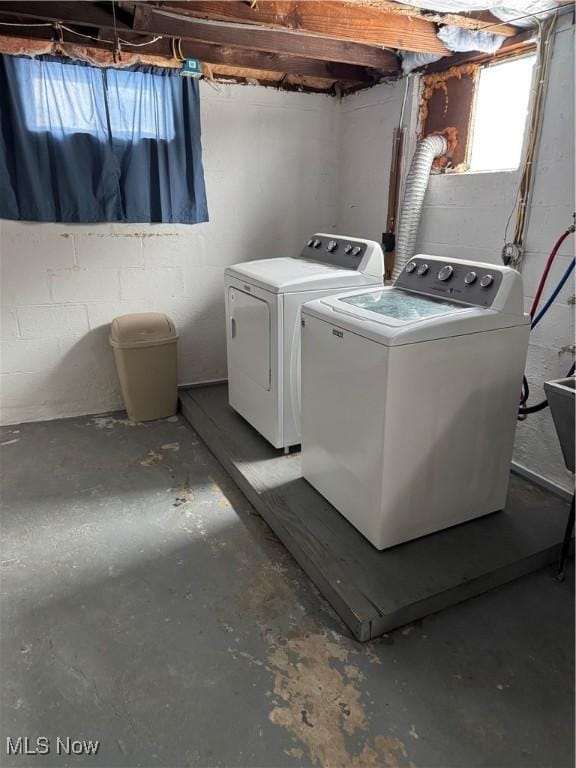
[(561, 394)]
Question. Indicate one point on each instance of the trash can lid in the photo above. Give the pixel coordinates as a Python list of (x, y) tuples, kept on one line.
[(142, 329)]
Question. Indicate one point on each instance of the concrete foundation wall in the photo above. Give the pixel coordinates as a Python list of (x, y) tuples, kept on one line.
[(271, 181), (465, 216)]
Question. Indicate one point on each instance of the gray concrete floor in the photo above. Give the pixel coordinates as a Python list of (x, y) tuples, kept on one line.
[(146, 605)]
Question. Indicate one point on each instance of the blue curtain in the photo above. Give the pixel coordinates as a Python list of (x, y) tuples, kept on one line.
[(89, 144)]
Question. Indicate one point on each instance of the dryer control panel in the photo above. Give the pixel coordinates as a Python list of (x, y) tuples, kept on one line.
[(335, 250), (477, 285), (364, 256)]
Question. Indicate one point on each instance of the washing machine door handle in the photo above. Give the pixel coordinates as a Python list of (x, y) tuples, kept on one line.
[(233, 327)]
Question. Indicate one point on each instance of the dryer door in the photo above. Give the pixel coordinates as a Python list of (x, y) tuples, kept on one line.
[(249, 336)]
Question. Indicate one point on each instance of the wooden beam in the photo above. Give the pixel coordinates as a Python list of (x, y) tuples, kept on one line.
[(359, 19), (156, 21), (474, 20), (39, 41), (329, 18), (215, 55), (87, 14), (265, 60), (149, 20), (487, 22), (100, 53), (290, 65)]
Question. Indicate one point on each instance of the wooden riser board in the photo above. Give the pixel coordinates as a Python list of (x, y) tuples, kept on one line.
[(374, 591)]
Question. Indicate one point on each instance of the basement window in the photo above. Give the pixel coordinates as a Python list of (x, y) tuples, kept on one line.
[(499, 115), (481, 109), (128, 104)]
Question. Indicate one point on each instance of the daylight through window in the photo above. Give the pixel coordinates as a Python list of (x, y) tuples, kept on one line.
[(499, 115)]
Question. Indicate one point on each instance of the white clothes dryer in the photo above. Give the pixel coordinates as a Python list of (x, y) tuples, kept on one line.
[(263, 300)]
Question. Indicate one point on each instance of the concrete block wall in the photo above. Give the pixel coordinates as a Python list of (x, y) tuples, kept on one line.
[(551, 350), (368, 120), (270, 180), (465, 216)]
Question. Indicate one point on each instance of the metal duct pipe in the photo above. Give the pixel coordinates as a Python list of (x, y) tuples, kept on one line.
[(416, 183)]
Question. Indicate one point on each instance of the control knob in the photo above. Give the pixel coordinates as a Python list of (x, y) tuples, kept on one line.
[(347, 248), (422, 269), (356, 250), (316, 244), (486, 281), (470, 278), (310, 242), (411, 266), (332, 245), (445, 273)]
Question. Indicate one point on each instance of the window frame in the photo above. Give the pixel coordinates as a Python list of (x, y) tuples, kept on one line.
[(456, 67), (470, 138)]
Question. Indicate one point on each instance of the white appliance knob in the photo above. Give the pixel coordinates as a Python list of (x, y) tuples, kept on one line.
[(422, 269), (411, 266), (446, 272), (332, 245), (347, 248), (470, 278), (317, 244), (356, 250), (486, 281), (310, 243)]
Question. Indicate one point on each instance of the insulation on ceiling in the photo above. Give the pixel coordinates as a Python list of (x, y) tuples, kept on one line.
[(458, 39), (521, 13)]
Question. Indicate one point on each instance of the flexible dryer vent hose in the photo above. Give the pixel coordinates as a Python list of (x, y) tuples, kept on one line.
[(416, 183)]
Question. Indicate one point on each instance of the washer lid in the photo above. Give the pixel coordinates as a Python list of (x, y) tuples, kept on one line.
[(397, 308), (393, 316), (288, 275)]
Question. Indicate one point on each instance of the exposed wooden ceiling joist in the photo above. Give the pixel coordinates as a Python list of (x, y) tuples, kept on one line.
[(158, 21), (483, 21), (328, 41), (87, 14), (100, 53), (151, 21), (378, 22), (265, 60), (468, 20), (215, 54), (326, 18)]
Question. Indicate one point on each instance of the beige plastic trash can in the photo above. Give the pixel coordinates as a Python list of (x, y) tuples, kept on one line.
[(145, 352)]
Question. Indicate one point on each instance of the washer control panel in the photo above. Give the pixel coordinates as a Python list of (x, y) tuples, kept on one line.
[(451, 280), (334, 250)]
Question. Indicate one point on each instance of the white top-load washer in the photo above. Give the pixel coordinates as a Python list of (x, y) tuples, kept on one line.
[(263, 300), (410, 397)]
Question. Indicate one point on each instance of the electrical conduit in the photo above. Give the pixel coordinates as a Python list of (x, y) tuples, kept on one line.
[(416, 184)]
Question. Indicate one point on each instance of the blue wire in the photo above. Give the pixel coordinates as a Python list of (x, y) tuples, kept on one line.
[(553, 295)]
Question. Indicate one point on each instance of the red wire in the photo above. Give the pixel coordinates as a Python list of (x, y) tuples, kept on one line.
[(547, 269)]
